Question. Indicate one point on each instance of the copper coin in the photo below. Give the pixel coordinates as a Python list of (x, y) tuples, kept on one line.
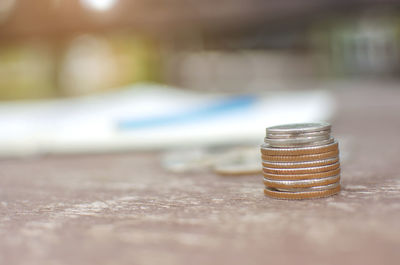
[(305, 170), (300, 195), (287, 184), (266, 150), (313, 188), (300, 158), (314, 163), (303, 176)]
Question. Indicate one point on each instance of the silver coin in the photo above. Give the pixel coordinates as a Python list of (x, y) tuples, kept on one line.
[(294, 149), (303, 170), (294, 141), (304, 164), (315, 188), (298, 128), (325, 133), (305, 143), (301, 182)]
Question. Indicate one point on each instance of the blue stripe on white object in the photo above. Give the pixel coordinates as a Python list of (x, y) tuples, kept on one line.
[(200, 113)]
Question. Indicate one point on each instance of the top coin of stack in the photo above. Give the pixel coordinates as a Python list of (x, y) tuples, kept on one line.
[(300, 161)]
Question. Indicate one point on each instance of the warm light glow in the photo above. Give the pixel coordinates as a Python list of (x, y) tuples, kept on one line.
[(6, 6), (88, 66), (99, 5)]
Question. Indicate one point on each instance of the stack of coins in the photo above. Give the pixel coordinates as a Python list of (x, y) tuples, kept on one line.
[(300, 161)]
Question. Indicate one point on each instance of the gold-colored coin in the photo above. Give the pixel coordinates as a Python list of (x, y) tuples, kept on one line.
[(271, 192), (289, 184), (313, 188), (300, 158), (302, 176), (305, 170), (315, 163), (267, 150)]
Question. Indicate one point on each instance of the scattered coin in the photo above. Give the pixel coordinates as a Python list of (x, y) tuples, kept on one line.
[(239, 169), (241, 161)]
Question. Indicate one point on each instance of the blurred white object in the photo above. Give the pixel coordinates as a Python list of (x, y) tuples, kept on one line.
[(152, 117)]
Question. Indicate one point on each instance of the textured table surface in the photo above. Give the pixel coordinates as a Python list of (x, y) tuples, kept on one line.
[(125, 209)]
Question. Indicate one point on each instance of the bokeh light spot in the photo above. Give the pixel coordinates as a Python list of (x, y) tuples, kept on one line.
[(98, 5)]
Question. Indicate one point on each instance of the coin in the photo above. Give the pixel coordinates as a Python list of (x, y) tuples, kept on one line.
[(305, 170), (239, 161), (298, 128), (300, 183), (237, 170), (267, 150), (314, 163), (300, 158), (313, 188), (300, 144), (303, 176), (303, 141), (297, 135), (300, 195)]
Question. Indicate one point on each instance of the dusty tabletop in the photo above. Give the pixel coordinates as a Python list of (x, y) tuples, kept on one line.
[(126, 209)]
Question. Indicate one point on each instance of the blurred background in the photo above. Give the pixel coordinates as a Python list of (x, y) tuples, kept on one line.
[(102, 75)]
